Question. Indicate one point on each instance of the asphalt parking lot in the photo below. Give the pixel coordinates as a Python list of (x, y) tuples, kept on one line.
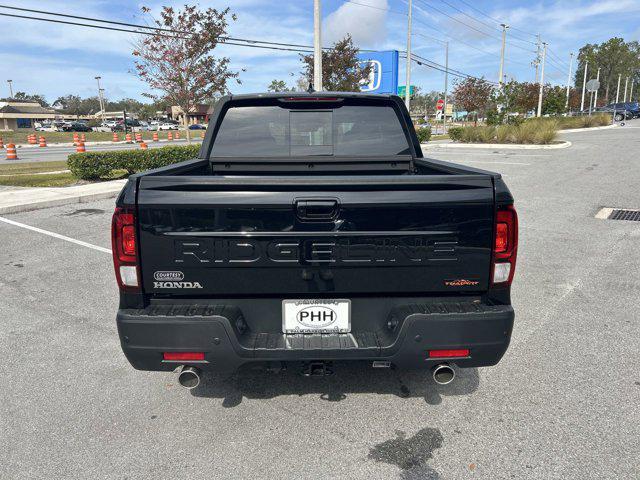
[(563, 403)]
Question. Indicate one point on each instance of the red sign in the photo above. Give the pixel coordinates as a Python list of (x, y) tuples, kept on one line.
[(440, 104)]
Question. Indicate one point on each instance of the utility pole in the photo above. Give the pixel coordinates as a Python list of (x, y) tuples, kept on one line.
[(618, 89), (566, 105), (536, 62), (626, 84), (100, 98), (584, 84), (446, 86), (10, 88), (595, 103), (407, 97), (317, 46), (544, 56), (631, 90), (504, 41)]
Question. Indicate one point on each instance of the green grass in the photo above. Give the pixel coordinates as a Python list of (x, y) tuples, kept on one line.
[(53, 180), (34, 175), (20, 136), (34, 167)]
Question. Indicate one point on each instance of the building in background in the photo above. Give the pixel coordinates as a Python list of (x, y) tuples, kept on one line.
[(199, 114), (14, 115)]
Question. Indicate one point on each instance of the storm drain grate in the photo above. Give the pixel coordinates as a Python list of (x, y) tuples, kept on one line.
[(631, 215)]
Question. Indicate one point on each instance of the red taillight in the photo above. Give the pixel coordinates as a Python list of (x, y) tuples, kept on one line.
[(505, 246), (183, 356), (124, 246), (460, 352)]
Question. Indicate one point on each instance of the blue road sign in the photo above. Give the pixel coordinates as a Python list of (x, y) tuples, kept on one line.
[(384, 72)]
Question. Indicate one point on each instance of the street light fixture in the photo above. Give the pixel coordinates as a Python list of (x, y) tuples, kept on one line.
[(10, 88), (100, 90)]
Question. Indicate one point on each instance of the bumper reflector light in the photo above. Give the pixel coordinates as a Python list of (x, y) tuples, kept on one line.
[(183, 356), (460, 352)]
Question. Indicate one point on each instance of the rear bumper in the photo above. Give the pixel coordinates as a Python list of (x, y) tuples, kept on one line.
[(228, 342)]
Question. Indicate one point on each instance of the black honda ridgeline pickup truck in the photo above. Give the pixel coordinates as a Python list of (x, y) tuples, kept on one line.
[(311, 229)]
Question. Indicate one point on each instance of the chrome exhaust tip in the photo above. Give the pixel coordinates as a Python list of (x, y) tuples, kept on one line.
[(443, 374), (189, 377)]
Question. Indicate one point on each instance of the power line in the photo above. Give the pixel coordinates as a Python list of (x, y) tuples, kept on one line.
[(374, 7), (494, 19), (226, 39)]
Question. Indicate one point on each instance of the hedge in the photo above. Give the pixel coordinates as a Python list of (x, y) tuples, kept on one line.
[(100, 165), (424, 134)]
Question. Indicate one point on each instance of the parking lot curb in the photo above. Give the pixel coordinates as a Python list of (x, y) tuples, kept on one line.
[(495, 146), (28, 199), (588, 129)]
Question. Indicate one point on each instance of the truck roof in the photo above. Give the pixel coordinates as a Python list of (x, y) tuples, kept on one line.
[(249, 96)]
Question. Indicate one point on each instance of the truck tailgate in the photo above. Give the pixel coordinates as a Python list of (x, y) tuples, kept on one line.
[(315, 235)]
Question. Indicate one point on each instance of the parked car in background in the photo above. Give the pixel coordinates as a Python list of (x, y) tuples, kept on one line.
[(197, 126), (632, 107), (153, 126), (167, 126), (76, 127), (619, 113), (46, 127)]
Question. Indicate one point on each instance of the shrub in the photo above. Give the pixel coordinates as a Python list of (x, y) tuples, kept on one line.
[(546, 133), (505, 133), (97, 165), (424, 134), (526, 132), (455, 133)]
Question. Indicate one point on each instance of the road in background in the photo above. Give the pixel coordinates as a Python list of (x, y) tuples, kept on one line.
[(53, 153), (563, 402)]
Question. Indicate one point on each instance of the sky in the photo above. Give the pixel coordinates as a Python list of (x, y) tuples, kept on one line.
[(55, 60)]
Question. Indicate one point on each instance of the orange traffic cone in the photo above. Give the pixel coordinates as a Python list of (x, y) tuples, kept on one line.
[(76, 139), (155, 136), (83, 138), (144, 146), (138, 137), (177, 135), (32, 139), (115, 137), (128, 137), (1, 143), (202, 134), (80, 148), (11, 152), (43, 142), (169, 136)]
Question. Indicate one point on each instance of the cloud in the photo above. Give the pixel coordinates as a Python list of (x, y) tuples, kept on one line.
[(367, 26)]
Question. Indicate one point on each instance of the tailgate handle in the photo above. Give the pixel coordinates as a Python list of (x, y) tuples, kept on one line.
[(316, 209)]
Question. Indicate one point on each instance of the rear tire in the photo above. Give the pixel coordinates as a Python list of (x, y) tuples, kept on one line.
[(619, 117)]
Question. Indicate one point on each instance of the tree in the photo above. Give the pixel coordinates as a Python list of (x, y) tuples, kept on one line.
[(181, 65), (278, 86), (473, 95), (425, 102), (614, 57), (553, 100), (341, 69), (24, 97), (69, 104)]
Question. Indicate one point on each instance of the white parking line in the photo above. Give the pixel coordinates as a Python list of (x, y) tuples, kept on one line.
[(56, 235), (494, 154)]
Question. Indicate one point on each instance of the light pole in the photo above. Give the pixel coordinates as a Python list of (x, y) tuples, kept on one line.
[(631, 90), (100, 98), (618, 89), (544, 57), (626, 84), (317, 46), (504, 42), (566, 105), (10, 88), (595, 102), (446, 86), (584, 84), (407, 91)]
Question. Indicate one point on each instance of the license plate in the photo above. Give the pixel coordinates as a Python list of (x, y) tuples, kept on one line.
[(316, 316)]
